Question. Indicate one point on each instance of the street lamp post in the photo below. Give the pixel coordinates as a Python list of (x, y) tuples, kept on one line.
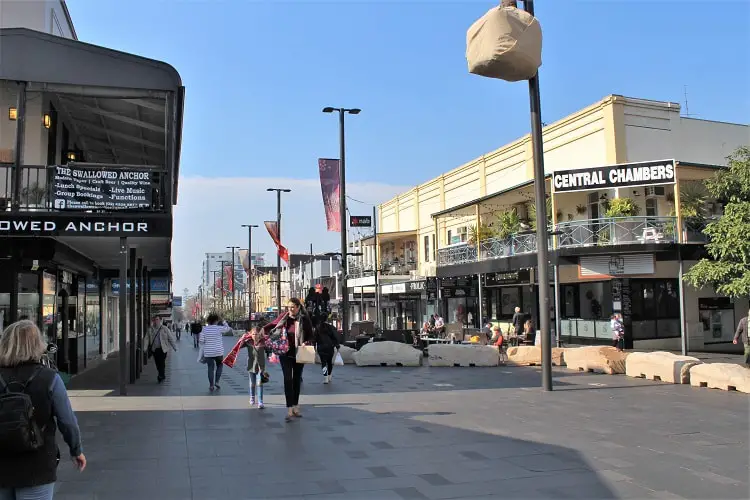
[(278, 254), (342, 212), (214, 302), (249, 271), (233, 282)]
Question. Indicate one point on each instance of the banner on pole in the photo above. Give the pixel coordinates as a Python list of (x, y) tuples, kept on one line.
[(330, 185), (273, 231), (229, 272)]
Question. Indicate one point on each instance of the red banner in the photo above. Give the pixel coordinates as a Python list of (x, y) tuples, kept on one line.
[(330, 185), (273, 231), (229, 273)]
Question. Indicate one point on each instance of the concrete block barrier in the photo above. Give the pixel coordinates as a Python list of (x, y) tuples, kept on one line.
[(661, 366), (724, 376), (529, 355), (595, 359), (388, 354), (463, 355)]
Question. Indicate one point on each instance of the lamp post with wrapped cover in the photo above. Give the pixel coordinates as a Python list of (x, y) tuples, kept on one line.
[(506, 43)]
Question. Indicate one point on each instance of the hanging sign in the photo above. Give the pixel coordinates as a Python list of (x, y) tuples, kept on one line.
[(96, 188), (634, 174), (360, 220)]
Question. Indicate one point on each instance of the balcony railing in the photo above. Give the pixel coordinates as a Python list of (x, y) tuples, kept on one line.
[(617, 231), (36, 186), (577, 234)]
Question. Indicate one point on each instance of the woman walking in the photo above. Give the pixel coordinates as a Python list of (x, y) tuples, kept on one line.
[(213, 349), (28, 467), (326, 343), (299, 331)]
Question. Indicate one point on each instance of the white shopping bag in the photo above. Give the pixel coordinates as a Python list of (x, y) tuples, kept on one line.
[(201, 357), (306, 354), (338, 360)]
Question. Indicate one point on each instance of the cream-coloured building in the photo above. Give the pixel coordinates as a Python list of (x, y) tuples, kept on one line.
[(617, 148)]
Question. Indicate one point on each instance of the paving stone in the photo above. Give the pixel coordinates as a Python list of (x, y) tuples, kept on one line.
[(399, 435)]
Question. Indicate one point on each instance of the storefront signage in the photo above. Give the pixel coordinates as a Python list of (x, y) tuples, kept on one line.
[(360, 220), (715, 304), (87, 188), (634, 174), (518, 277), (158, 285), (52, 224), (616, 265), (394, 288)]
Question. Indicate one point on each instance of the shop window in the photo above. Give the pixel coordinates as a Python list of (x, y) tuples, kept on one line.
[(463, 234), (434, 248), (652, 207), (655, 308), (28, 296)]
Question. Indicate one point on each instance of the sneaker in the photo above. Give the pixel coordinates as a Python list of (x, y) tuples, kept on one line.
[(211, 389), (252, 401), (261, 406), (218, 387)]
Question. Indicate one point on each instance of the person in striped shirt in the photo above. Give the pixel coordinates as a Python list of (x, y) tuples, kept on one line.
[(211, 339)]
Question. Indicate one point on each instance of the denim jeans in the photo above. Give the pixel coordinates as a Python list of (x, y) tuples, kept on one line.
[(215, 367), (256, 388), (42, 492)]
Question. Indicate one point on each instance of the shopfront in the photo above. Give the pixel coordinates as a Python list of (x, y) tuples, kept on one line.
[(460, 303), (504, 291), (406, 306)]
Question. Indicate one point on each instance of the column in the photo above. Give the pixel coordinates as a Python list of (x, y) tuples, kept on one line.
[(131, 316), (123, 318), (138, 306)]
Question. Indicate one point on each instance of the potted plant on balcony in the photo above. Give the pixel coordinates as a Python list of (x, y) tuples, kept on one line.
[(693, 198), (622, 231), (480, 232), (508, 224), (33, 197)]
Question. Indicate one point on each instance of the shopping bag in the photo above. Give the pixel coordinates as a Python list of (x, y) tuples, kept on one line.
[(338, 361), (201, 357), (306, 354), (278, 341), (273, 359)]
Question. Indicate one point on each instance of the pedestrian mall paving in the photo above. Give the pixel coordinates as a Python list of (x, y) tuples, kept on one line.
[(405, 433)]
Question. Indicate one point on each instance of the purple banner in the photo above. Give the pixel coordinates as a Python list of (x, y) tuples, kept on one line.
[(330, 185)]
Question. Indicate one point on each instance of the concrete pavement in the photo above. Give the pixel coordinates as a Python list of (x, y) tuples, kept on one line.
[(408, 433)]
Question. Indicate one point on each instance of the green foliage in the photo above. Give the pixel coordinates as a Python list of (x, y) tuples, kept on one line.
[(693, 198), (531, 210), (480, 233), (509, 224), (728, 268), (622, 207)]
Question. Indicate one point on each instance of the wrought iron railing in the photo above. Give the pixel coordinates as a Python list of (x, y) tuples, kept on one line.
[(692, 229), (36, 186), (616, 231)]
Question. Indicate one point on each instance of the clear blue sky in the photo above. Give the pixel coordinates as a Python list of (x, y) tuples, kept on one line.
[(258, 73)]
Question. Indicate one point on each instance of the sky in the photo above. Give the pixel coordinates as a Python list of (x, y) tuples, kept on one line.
[(258, 73)]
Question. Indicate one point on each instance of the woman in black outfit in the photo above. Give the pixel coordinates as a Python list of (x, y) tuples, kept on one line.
[(299, 331), (326, 343)]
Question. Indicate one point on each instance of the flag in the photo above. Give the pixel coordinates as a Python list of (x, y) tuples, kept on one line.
[(273, 231), (330, 185)]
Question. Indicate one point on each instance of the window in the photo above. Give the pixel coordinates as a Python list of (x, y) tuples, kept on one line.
[(652, 207), (450, 237), (463, 233), (427, 249), (655, 308), (434, 248)]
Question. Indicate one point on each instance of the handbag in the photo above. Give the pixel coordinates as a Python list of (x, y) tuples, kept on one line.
[(279, 341), (201, 357), (306, 355), (150, 350)]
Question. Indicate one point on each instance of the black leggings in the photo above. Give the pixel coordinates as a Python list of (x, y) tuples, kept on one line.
[(326, 362), (292, 379)]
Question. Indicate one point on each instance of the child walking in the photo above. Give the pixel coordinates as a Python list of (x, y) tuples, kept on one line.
[(256, 365)]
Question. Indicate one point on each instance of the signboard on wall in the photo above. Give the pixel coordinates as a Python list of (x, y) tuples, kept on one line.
[(616, 265), (614, 176), (56, 224), (360, 220), (97, 188), (517, 277)]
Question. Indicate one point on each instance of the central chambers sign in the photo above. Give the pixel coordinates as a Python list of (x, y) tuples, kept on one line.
[(634, 174)]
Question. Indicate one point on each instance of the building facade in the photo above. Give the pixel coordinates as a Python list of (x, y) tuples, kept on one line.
[(90, 142), (623, 177)]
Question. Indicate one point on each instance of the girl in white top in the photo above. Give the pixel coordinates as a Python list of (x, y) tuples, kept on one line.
[(211, 339)]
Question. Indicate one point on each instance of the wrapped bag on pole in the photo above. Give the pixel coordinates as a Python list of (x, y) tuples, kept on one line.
[(505, 43)]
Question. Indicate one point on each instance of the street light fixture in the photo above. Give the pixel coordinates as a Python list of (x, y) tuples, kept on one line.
[(249, 271), (342, 209), (278, 254)]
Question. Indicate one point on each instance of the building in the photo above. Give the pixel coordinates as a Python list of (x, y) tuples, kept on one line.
[(623, 177), (90, 142)]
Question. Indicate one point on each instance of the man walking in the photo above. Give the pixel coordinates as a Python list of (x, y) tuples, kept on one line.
[(742, 335), (160, 342)]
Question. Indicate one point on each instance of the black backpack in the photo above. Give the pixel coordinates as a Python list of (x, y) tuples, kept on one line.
[(19, 431)]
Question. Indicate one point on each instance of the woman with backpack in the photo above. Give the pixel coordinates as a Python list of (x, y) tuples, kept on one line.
[(33, 405), (327, 344)]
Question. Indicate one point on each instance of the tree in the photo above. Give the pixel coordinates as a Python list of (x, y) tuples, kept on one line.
[(479, 233), (728, 268)]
